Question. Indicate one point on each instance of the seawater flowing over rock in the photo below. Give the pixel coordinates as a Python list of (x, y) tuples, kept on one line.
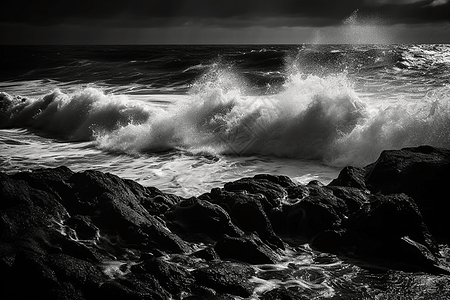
[(90, 235)]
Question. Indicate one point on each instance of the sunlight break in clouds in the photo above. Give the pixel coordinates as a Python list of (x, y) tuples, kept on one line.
[(439, 2)]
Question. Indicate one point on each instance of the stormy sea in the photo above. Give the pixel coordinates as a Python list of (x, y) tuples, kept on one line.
[(190, 118)]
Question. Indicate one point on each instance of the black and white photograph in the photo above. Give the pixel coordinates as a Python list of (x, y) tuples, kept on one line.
[(225, 149)]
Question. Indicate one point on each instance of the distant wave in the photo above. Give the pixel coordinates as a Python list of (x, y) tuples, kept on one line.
[(312, 117)]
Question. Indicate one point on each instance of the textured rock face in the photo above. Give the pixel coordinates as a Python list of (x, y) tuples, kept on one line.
[(44, 216), (422, 173), (227, 277), (249, 249), (201, 220), (351, 177), (66, 235), (389, 231)]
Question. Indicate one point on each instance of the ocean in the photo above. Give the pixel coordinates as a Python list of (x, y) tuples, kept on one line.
[(188, 118)]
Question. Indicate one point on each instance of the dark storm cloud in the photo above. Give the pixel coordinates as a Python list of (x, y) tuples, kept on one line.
[(160, 13), (56, 12)]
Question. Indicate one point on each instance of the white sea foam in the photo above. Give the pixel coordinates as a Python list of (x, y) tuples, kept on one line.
[(320, 118)]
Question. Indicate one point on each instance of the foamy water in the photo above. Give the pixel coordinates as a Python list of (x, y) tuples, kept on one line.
[(222, 128), (177, 172), (186, 119)]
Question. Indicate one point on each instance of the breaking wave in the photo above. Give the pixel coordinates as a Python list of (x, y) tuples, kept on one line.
[(310, 117)]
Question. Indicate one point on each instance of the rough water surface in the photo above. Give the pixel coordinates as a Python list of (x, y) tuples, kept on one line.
[(190, 119)]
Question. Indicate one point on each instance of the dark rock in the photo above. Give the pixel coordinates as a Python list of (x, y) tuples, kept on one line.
[(201, 220), (152, 199), (297, 192), (318, 211), (258, 222), (83, 227), (30, 205), (281, 180), (53, 276), (113, 207), (418, 257), (422, 173), (32, 238), (133, 287), (353, 198), (350, 177), (248, 249), (240, 206), (226, 277), (207, 254), (210, 296), (29, 219), (283, 294), (315, 183), (312, 209), (30, 277), (53, 181), (172, 278), (14, 192), (90, 186), (188, 262), (259, 185), (330, 241), (58, 229), (392, 216), (388, 232), (77, 250), (81, 274), (39, 238), (135, 225)]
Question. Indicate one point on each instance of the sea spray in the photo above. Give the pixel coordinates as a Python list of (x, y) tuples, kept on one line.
[(73, 116), (301, 121), (395, 127), (312, 117)]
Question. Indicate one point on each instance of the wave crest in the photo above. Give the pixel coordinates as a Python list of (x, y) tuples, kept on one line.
[(312, 117), (75, 117)]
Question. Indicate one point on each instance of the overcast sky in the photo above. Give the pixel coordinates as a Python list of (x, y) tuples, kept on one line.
[(224, 21)]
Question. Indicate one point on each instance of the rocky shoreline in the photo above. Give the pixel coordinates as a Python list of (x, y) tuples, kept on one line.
[(67, 235)]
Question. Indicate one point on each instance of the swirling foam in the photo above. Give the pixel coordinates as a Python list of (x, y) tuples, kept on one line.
[(312, 117)]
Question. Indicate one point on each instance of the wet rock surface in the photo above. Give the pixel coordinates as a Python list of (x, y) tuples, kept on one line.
[(85, 235)]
